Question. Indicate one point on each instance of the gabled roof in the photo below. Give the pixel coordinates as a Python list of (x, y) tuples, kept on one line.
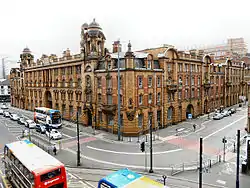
[(5, 82)]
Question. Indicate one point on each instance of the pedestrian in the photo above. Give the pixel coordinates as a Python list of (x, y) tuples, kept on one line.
[(194, 125), (54, 150), (176, 132)]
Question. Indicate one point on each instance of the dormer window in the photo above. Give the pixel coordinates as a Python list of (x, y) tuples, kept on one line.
[(149, 64), (109, 65)]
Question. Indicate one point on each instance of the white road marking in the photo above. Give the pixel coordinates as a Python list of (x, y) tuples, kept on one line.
[(221, 182), (128, 153), (129, 166), (67, 135), (229, 125), (72, 176)]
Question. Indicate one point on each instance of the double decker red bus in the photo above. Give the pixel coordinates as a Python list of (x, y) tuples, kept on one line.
[(28, 166)]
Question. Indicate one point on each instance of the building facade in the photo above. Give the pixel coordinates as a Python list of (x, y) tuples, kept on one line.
[(5, 90), (234, 47), (161, 86)]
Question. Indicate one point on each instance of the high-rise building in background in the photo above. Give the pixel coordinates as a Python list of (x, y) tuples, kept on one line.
[(234, 48)]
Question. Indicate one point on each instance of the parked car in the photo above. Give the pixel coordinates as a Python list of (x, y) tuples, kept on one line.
[(1, 112), (4, 107), (14, 117), (225, 113), (217, 116), (6, 114), (30, 124), (54, 134), (232, 110), (40, 128), (21, 121)]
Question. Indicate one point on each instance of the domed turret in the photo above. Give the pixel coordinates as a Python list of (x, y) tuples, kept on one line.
[(94, 25), (26, 51), (85, 26)]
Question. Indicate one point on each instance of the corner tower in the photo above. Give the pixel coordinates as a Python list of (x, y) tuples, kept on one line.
[(92, 40), (26, 58)]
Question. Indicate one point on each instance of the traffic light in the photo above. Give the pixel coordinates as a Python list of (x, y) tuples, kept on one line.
[(224, 140), (143, 146)]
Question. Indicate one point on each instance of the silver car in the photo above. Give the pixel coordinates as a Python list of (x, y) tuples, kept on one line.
[(218, 116)]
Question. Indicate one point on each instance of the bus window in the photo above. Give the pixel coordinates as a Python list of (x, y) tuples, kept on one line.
[(50, 175), (104, 185)]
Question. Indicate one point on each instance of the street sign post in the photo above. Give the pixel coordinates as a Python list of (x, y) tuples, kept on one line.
[(224, 141)]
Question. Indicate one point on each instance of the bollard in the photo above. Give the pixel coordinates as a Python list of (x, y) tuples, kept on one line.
[(138, 139), (210, 163), (146, 138), (219, 158), (234, 147), (60, 145)]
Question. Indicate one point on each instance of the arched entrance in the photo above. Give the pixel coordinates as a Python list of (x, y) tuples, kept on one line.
[(48, 99), (170, 114), (89, 116), (190, 110), (205, 106)]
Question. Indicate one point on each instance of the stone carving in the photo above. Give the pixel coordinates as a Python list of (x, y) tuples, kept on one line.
[(131, 115)]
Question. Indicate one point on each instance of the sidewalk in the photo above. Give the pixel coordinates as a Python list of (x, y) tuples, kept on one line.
[(159, 136), (181, 129)]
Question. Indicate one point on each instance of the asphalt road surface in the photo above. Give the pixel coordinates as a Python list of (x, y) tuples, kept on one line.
[(96, 152)]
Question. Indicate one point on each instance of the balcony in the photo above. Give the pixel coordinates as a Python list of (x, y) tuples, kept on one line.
[(229, 84), (109, 108), (172, 87)]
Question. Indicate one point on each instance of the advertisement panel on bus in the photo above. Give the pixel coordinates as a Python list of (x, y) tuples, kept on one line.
[(27, 165)]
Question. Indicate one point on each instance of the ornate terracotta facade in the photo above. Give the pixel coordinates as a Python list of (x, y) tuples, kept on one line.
[(161, 83)]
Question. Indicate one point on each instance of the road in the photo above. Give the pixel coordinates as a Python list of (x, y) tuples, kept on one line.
[(224, 174), (97, 152)]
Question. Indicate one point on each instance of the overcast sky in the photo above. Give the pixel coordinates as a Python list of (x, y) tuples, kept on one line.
[(51, 26)]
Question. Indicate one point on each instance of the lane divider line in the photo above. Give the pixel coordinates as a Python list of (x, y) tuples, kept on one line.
[(229, 125), (131, 153)]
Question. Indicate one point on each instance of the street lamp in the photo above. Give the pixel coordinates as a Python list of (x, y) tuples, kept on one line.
[(78, 142), (119, 88), (151, 143)]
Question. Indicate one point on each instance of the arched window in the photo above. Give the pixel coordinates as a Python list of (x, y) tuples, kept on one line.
[(63, 83), (140, 99), (71, 83), (88, 81), (79, 83), (170, 113), (56, 83)]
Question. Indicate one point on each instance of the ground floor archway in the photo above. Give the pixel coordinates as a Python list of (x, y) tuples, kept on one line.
[(205, 107), (170, 113), (48, 99), (89, 117), (190, 110)]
